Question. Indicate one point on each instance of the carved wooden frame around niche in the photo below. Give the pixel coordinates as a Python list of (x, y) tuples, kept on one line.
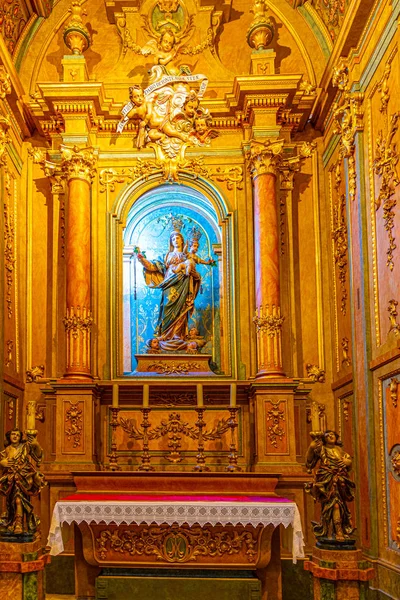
[(117, 213)]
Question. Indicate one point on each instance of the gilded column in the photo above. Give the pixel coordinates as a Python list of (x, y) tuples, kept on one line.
[(264, 161), (78, 167)]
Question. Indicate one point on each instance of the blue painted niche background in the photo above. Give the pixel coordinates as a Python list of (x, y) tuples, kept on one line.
[(146, 228)]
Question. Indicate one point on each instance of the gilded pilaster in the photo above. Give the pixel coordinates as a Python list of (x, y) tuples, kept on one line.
[(264, 161), (78, 168)]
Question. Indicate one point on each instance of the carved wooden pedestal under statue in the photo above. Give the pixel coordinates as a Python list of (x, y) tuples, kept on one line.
[(339, 574), (21, 570), (195, 365)]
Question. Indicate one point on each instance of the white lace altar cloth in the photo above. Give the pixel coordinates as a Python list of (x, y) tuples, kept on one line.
[(197, 513)]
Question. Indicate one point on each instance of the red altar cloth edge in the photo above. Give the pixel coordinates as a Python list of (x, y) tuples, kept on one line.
[(113, 497)]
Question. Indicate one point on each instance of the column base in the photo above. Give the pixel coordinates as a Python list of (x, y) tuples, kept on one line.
[(21, 570), (339, 574), (271, 374)]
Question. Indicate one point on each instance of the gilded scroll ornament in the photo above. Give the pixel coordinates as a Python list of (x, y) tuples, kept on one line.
[(4, 138), (331, 486), (339, 236), (233, 176), (183, 399), (176, 544), (9, 352), (175, 428), (347, 120), (315, 373), (346, 361), (78, 163), (76, 35), (395, 459), (392, 310), (398, 533), (172, 368), (73, 417), (5, 82), (34, 374), (393, 388), (275, 430), (20, 481), (346, 406), (385, 164), (9, 243)]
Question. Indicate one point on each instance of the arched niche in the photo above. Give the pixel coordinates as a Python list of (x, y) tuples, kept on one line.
[(144, 220)]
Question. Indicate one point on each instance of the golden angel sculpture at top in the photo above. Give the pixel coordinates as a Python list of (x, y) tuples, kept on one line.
[(20, 480), (331, 487), (168, 112)]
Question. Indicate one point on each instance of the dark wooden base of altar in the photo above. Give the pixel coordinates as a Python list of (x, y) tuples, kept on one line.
[(21, 570), (173, 365), (115, 584), (116, 562)]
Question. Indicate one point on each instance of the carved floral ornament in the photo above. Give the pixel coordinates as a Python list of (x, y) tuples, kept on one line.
[(347, 120), (176, 544), (73, 417), (385, 164)]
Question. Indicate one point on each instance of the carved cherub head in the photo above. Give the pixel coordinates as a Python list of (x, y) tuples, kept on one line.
[(191, 104), (167, 40), (136, 95)]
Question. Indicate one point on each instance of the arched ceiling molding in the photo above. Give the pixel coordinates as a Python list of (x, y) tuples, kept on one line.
[(298, 39), (61, 13), (318, 28), (139, 188)]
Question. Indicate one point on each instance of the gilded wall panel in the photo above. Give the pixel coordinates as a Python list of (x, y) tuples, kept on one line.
[(340, 265), (383, 139)]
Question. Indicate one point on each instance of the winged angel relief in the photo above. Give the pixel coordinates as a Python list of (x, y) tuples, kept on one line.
[(168, 112)]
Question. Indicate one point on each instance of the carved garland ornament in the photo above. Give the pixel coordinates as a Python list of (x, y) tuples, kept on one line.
[(275, 431), (347, 120), (385, 165), (339, 236), (9, 243), (175, 544), (393, 387), (269, 322), (172, 368), (81, 320), (346, 361), (392, 310), (73, 416)]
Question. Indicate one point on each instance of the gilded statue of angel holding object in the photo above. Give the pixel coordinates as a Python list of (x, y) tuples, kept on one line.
[(332, 486)]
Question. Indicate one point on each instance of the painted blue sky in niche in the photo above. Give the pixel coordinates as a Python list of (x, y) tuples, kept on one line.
[(148, 228)]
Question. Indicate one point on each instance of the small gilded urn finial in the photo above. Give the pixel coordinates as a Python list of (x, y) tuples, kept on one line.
[(76, 34), (261, 30)]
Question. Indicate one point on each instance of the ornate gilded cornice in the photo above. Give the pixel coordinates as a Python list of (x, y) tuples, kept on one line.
[(78, 163), (264, 157)]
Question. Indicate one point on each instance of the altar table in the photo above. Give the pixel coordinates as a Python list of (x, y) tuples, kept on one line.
[(132, 526), (190, 510)]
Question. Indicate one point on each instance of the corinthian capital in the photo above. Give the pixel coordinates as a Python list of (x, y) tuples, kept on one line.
[(78, 163), (264, 157)]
